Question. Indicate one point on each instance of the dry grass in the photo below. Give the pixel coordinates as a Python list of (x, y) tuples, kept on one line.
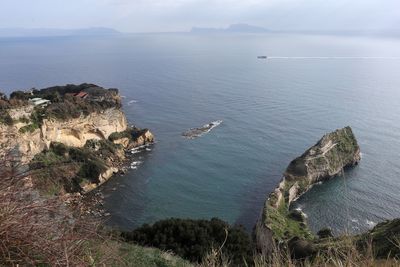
[(43, 231), (40, 231), (345, 255)]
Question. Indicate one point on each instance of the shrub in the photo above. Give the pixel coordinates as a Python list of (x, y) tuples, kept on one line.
[(5, 118), (118, 135), (19, 95), (104, 147), (4, 104), (194, 239), (63, 167), (325, 233), (24, 120), (59, 148), (91, 170), (78, 154), (30, 128), (131, 133)]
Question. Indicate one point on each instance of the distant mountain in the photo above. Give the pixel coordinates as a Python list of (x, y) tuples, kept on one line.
[(44, 32), (239, 28)]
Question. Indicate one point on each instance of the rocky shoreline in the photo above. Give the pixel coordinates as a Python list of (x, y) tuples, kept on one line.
[(73, 137), (285, 229)]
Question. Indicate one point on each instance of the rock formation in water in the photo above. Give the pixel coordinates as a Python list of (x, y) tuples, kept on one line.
[(199, 131), (72, 115), (334, 152)]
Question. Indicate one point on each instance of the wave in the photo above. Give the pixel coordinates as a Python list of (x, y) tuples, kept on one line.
[(131, 102), (370, 223), (302, 212), (139, 149)]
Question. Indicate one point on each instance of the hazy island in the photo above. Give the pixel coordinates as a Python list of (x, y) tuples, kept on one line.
[(233, 28)]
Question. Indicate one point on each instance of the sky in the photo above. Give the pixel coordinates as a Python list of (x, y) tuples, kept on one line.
[(182, 15)]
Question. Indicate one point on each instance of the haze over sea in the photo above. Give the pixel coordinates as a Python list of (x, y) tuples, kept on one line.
[(272, 111)]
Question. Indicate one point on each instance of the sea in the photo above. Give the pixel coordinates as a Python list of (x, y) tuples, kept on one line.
[(271, 110)]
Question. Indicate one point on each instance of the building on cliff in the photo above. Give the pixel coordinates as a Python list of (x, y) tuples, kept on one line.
[(37, 101)]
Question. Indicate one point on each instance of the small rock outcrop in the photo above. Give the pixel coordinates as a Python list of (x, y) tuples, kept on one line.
[(326, 159)]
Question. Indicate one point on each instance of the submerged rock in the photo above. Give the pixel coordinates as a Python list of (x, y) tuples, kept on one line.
[(197, 132)]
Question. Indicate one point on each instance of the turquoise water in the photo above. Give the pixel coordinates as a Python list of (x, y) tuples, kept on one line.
[(272, 110)]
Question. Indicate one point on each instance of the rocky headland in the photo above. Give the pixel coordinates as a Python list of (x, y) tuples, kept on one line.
[(73, 137), (281, 227)]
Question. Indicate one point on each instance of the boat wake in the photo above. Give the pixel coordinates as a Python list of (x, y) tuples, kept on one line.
[(197, 132), (333, 57)]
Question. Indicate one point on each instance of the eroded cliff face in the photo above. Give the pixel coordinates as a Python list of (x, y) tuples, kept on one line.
[(332, 153), (325, 159), (73, 132)]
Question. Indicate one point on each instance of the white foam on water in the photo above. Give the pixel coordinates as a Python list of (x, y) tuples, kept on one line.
[(354, 220), (370, 223), (131, 102), (139, 149), (301, 210), (136, 163)]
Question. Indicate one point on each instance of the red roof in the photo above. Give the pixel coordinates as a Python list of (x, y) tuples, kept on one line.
[(81, 94)]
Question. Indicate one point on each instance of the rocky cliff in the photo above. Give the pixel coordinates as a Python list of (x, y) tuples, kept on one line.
[(72, 132), (83, 116), (327, 158)]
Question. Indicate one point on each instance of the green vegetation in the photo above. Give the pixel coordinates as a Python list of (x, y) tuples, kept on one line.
[(119, 135), (62, 168), (385, 239), (64, 104), (284, 225), (132, 133), (325, 233), (30, 128), (35, 121), (5, 118), (137, 256), (194, 239)]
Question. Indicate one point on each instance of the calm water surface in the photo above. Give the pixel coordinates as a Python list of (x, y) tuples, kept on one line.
[(272, 110)]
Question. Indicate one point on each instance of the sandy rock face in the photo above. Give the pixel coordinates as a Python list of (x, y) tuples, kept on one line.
[(145, 138), (327, 158), (74, 132)]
